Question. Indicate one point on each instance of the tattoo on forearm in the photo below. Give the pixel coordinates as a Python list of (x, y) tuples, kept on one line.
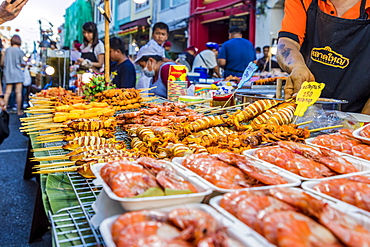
[(285, 52)]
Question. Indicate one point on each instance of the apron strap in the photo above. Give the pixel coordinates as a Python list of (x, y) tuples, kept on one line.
[(363, 14)]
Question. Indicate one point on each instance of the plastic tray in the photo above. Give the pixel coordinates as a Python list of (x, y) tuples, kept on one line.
[(357, 132), (246, 237), (156, 201), (359, 218), (309, 186), (345, 155), (292, 181), (360, 164)]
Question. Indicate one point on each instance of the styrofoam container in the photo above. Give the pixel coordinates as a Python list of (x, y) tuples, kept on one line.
[(246, 238), (291, 180), (345, 155), (130, 204), (360, 164), (309, 186), (359, 218), (357, 132)]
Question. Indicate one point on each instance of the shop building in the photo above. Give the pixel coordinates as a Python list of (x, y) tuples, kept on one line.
[(210, 20)]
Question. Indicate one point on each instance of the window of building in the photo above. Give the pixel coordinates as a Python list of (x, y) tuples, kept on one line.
[(122, 1), (166, 4), (139, 7)]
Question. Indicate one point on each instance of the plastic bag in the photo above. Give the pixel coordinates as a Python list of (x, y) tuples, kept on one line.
[(27, 78)]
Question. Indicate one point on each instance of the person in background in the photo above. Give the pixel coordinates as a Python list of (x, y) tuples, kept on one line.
[(13, 73), (189, 54), (259, 54), (208, 59), (266, 63), (9, 10), (154, 47), (327, 41), (76, 51), (167, 47), (125, 70), (155, 68), (236, 53), (92, 49)]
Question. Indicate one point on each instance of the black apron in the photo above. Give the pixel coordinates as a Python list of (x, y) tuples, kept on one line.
[(90, 55), (337, 52)]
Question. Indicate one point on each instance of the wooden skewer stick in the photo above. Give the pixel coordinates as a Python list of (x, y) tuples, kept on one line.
[(303, 123), (54, 131), (46, 138), (230, 107), (146, 93), (146, 89), (46, 149), (148, 99), (70, 169), (54, 165), (198, 102), (56, 140), (207, 109), (46, 120), (326, 128), (49, 158), (36, 97), (27, 119)]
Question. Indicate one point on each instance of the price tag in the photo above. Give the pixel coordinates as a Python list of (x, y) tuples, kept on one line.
[(248, 73), (307, 96)]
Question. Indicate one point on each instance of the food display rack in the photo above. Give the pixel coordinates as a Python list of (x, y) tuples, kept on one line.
[(72, 225)]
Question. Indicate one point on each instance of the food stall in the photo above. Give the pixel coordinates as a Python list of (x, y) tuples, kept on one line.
[(224, 159)]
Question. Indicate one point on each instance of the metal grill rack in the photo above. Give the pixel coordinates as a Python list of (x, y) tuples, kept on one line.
[(71, 226)]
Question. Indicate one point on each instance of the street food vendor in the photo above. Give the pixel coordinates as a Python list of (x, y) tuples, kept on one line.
[(156, 68), (328, 41)]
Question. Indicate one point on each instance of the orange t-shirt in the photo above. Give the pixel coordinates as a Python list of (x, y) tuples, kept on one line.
[(295, 17)]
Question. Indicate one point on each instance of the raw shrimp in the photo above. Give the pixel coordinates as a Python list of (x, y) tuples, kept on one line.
[(336, 162), (230, 201), (251, 210), (288, 228), (169, 179), (365, 132), (347, 229), (194, 223), (130, 218)]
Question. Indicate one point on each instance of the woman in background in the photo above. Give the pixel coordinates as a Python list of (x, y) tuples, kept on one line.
[(13, 73), (92, 49)]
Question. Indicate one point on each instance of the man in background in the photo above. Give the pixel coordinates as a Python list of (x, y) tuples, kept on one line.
[(208, 59), (236, 53), (266, 63), (125, 71)]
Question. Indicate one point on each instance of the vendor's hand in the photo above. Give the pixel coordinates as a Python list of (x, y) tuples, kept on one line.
[(294, 82), (79, 61), (8, 11)]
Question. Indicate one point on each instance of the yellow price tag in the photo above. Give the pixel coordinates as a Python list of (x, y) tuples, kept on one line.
[(307, 96)]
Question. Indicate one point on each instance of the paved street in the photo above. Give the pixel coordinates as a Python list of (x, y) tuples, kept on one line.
[(17, 195)]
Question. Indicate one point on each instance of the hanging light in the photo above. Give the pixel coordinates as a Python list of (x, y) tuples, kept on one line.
[(49, 70)]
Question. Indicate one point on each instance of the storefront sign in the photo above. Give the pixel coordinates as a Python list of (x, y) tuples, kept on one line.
[(238, 21), (307, 96)]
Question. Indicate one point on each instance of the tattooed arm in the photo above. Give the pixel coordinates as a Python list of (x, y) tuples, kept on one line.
[(291, 60)]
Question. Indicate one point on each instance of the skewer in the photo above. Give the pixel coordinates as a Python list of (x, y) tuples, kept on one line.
[(56, 140), (47, 120), (46, 149), (207, 109), (36, 97), (46, 132), (146, 93), (70, 169), (49, 158), (326, 128), (199, 102), (39, 111), (148, 99), (38, 106), (46, 138), (230, 107), (303, 123), (27, 119), (54, 165), (146, 89)]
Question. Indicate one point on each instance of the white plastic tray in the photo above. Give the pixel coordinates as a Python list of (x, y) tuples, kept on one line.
[(309, 186), (357, 132), (246, 237), (345, 155), (362, 165), (292, 181), (359, 218), (156, 201)]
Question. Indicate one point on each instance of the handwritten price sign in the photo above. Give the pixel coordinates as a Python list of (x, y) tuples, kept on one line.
[(307, 96)]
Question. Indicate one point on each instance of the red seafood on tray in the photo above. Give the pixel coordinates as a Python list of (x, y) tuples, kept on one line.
[(306, 161), (292, 217), (344, 142)]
